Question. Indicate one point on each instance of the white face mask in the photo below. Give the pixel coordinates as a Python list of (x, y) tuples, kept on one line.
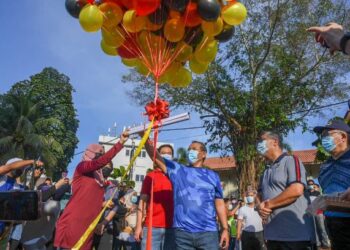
[(167, 156), (230, 207)]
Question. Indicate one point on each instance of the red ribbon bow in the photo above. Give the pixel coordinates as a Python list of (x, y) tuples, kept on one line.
[(158, 110)]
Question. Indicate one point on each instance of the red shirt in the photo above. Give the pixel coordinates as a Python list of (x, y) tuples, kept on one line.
[(85, 203), (163, 201)]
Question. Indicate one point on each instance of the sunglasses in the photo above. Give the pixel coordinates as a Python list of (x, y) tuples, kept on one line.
[(39, 168)]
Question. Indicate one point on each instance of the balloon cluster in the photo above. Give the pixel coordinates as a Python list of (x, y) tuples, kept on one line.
[(168, 39)]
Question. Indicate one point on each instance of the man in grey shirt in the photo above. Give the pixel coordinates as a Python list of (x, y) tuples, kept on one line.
[(287, 225)]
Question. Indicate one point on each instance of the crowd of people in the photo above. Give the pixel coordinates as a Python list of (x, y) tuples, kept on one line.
[(183, 206)]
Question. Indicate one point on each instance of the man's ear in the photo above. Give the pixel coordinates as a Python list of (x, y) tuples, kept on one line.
[(204, 155)]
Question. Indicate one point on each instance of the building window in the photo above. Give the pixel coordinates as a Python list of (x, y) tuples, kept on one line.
[(143, 154), (140, 177), (127, 152)]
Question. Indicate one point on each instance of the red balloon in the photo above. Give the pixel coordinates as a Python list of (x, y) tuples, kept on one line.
[(191, 17), (145, 7), (129, 49), (126, 3)]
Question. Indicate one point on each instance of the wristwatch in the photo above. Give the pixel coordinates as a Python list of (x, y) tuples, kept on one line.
[(344, 41)]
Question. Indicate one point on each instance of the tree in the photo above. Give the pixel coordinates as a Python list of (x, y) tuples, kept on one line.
[(53, 91), (20, 131), (269, 76), (181, 155)]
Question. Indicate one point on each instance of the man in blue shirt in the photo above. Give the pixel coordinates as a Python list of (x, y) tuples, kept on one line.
[(198, 200), (335, 177)]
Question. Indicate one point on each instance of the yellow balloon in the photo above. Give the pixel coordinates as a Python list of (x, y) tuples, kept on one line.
[(198, 67), (142, 69), (213, 28), (206, 51), (91, 18), (184, 51), (132, 22), (172, 69), (163, 78), (112, 14), (181, 79), (234, 14), (174, 30), (109, 50), (114, 37), (132, 62)]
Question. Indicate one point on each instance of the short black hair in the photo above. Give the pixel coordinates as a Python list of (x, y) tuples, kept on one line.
[(202, 145), (226, 200), (310, 180), (274, 135), (166, 146)]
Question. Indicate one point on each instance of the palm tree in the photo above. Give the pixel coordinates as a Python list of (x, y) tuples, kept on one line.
[(22, 131)]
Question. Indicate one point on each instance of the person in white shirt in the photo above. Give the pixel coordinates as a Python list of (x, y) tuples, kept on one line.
[(249, 225)]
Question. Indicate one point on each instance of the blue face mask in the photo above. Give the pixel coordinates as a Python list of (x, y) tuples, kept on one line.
[(167, 157), (134, 199), (328, 143), (262, 147), (192, 156), (250, 199)]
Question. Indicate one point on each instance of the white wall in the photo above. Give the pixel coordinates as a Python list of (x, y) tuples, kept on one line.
[(142, 163)]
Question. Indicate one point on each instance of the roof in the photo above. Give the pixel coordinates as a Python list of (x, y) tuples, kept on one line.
[(218, 163), (306, 156), (227, 163)]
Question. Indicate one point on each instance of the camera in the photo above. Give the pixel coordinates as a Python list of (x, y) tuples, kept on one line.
[(20, 205)]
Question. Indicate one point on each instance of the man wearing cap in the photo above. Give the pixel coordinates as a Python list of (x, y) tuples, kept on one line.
[(335, 177), (282, 186)]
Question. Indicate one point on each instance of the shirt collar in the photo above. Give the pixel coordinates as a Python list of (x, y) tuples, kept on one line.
[(347, 151), (279, 158)]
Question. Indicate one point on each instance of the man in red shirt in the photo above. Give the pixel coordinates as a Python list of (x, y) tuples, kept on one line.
[(86, 201), (163, 207)]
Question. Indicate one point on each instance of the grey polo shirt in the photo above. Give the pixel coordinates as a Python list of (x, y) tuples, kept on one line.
[(290, 223)]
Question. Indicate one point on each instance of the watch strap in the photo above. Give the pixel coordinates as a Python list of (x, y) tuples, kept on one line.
[(344, 41)]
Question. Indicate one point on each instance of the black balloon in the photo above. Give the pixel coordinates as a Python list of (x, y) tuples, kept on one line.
[(209, 10), (193, 36), (225, 35), (74, 7), (159, 16), (178, 5)]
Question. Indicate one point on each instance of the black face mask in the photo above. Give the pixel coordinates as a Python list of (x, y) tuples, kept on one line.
[(106, 172), (16, 173)]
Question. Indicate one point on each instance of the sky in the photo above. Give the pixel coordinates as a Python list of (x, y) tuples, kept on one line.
[(40, 33)]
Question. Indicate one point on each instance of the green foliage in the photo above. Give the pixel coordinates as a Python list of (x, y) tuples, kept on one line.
[(118, 173), (45, 101), (269, 72), (181, 156)]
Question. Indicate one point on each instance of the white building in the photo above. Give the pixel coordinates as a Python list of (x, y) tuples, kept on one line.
[(142, 163)]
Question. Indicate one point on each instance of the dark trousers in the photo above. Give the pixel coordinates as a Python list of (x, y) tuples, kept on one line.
[(103, 242), (290, 245), (252, 241), (339, 232)]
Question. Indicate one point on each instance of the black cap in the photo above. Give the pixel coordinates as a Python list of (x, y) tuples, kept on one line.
[(334, 124)]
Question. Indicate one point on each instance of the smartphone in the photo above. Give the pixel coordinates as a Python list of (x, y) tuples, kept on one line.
[(20, 205), (64, 175)]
